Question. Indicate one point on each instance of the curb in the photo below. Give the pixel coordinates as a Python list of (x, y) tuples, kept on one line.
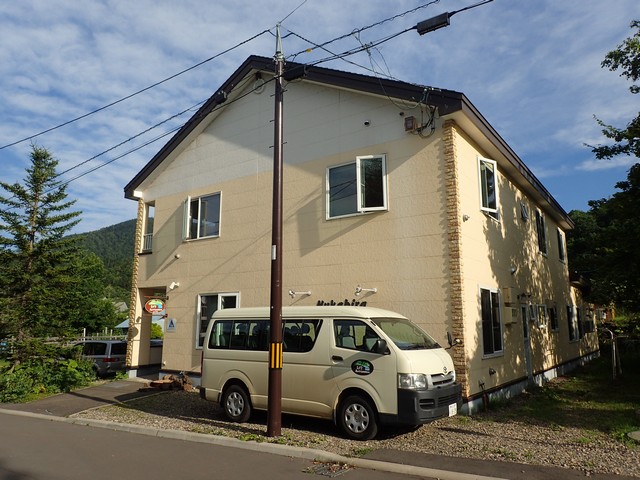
[(272, 448)]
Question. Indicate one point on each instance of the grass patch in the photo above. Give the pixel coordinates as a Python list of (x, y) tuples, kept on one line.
[(589, 398)]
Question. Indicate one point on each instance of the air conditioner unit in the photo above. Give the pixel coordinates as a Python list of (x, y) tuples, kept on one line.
[(509, 315), (508, 295)]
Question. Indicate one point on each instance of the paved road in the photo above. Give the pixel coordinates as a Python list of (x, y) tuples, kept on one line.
[(37, 441), (41, 449)]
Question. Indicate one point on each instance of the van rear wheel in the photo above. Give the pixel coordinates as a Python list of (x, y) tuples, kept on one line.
[(236, 404), (357, 418)]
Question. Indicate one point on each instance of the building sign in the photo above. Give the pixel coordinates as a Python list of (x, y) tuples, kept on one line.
[(171, 325), (154, 306), (346, 302)]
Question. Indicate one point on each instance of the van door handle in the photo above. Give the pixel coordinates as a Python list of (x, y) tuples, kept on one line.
[(337, 358)]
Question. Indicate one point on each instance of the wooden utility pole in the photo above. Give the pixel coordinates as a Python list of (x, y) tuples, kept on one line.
[(274, 405)]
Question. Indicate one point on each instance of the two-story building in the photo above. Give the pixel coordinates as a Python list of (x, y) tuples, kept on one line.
[(397, 195)]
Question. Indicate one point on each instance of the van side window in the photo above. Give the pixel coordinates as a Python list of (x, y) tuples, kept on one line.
[(354, 335), (300, 335), (221, 334)]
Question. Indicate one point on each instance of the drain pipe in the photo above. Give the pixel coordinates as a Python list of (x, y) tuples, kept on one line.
[(485, 397)]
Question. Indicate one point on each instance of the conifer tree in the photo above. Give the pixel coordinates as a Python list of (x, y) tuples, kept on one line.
[(36, 259)]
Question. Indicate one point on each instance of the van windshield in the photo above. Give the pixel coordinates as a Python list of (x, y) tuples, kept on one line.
[(406, 335)]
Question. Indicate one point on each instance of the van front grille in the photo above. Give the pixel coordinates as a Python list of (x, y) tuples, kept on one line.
[(441, 379), (430, 403)]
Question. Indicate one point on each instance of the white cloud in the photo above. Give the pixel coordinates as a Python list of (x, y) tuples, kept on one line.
[(532, 68), (593, 164)]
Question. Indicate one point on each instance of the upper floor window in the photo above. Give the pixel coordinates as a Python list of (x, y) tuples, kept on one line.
[(488, 174), (357, 187), (201, 217), (541, 229), (147, 239), (562, 252)]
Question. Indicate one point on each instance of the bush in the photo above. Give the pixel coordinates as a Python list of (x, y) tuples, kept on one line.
[(34, 368)]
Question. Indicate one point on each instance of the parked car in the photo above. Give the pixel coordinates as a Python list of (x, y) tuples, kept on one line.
[(108, 356)]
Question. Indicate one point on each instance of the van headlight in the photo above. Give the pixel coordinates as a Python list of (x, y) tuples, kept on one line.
[(412, 381)]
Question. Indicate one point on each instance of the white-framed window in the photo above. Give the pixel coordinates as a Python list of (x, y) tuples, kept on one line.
[(562, 250), (488, 177), (541, 230), (207, 305), (147, 238), (491, 322), (357, 187), (201, 217)]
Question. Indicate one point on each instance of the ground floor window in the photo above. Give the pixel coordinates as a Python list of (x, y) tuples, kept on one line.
[(207, 305), (491, 324), (553, 317), (572, 322)]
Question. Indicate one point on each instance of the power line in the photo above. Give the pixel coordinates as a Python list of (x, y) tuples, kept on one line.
[(131, 138), (362, 29), (218, 107), (333, 56), (31, 137), (327, 59)]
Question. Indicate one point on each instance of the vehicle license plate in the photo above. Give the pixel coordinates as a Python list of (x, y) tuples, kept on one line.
[(453, 409)]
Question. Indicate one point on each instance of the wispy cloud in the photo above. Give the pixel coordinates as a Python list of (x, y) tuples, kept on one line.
[(616, 163), (532, 68)]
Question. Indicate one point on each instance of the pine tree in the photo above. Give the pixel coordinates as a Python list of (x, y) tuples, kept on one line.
[(36, 259)]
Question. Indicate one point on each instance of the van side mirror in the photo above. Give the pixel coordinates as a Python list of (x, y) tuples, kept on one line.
[(381, 347)]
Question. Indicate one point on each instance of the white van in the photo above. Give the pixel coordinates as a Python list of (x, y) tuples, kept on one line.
[(360, 366)]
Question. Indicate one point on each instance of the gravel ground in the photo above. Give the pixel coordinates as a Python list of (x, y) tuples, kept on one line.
[(487, 436)]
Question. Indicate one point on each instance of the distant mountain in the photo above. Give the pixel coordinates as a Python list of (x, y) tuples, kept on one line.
[(115, 247)]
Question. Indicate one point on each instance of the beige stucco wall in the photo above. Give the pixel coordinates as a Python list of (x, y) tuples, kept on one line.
[(405, 252), (401, 252), (490, 250)]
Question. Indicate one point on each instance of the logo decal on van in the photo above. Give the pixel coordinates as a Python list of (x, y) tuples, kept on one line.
[(362, 367)]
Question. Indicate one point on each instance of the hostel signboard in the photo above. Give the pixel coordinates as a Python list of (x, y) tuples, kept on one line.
[(154, 306)]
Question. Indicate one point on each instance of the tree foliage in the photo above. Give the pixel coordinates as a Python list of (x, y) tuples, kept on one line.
[(605, 244), (47, 284), (626, 58)]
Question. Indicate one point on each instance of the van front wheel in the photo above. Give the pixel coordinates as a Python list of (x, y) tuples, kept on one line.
[(357, 418), (236, 404)]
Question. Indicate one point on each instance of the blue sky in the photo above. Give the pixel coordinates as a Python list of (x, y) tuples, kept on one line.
[(532, 68)]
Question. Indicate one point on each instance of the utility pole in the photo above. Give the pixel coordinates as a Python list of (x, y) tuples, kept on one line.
[(274, 405)]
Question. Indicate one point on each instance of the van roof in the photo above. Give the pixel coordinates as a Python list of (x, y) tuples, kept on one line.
[(313, 311)]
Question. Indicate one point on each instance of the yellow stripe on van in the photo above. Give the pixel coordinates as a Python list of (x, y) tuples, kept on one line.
[(275, 357)]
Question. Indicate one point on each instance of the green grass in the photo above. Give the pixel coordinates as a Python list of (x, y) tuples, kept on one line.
[(589, 398)]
